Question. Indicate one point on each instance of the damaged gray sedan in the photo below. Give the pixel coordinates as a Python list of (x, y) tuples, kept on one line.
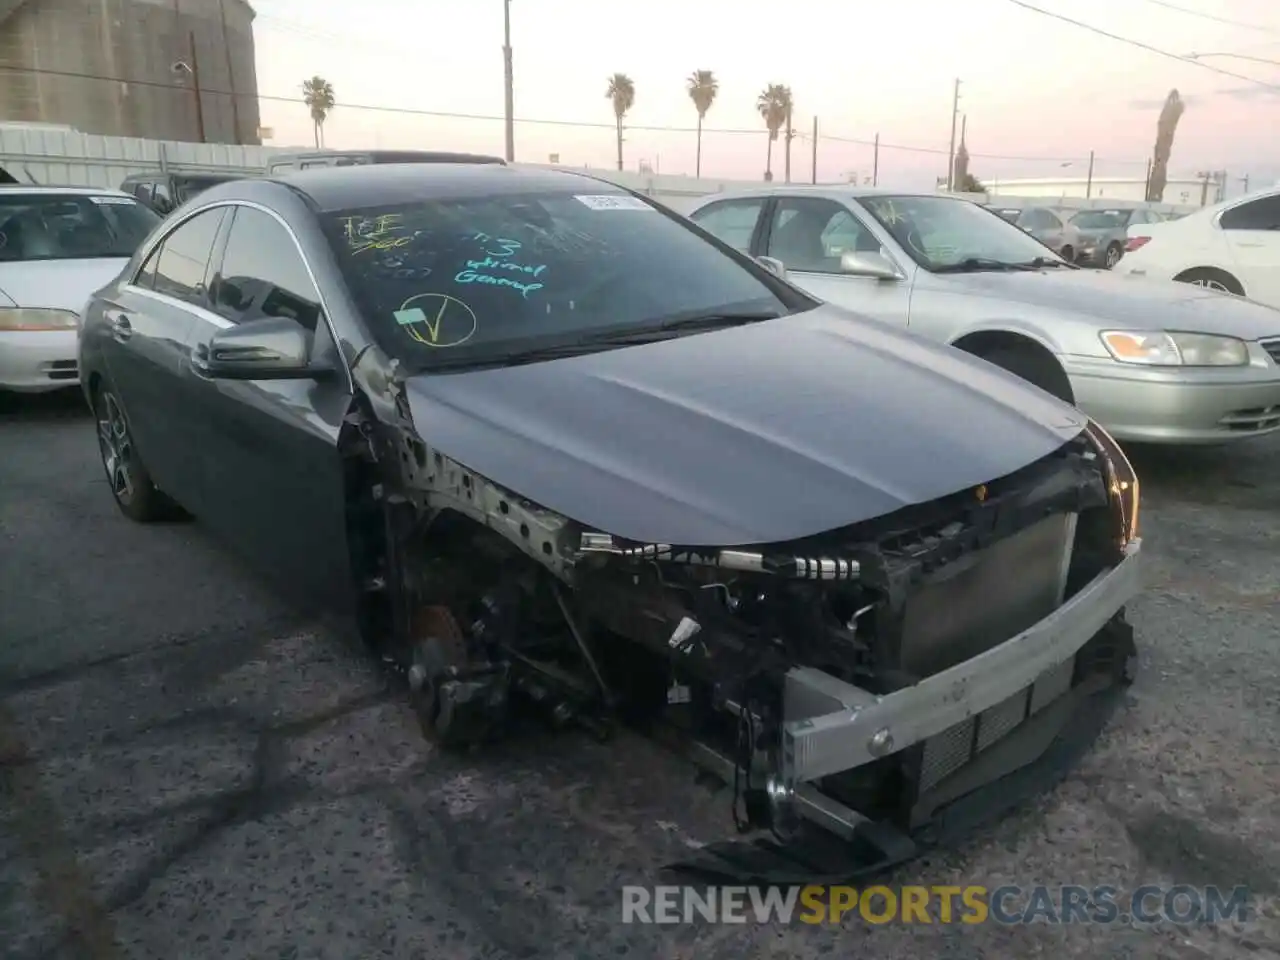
[(563, 456)]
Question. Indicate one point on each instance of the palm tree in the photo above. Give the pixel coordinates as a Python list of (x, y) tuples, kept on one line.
[(774, 105), (317, 94), (623, 94), (703, 88), (1166, 127)]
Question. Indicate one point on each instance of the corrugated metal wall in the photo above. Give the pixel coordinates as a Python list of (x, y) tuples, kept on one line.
[(85, 159), (54, 156)]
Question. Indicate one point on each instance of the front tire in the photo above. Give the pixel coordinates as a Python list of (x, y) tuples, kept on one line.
[(1112, 256), (131, 486), (1068, 254), (1212, 278), (1038, 367)]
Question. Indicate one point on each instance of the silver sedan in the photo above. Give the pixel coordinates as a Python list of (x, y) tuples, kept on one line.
[(1152, 361)]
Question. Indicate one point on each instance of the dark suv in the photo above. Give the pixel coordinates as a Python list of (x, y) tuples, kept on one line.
[(165, 192)]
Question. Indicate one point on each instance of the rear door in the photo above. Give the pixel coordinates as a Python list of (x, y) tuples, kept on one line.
[(810, 234), (272, 476), (1252, 232), (150, 317)]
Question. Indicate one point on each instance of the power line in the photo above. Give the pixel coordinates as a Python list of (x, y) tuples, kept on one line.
[(583, 124), (1143, 46), (1216, 19)]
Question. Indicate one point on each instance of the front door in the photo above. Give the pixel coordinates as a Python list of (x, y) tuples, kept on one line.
[(270, 464), (810, 234), (150, 320)]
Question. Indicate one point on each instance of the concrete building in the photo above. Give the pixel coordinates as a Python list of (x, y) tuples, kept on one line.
[(1180, 191), (160, 69)]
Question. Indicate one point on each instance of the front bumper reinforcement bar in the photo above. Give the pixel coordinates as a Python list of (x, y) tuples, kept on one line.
[(830, 726)]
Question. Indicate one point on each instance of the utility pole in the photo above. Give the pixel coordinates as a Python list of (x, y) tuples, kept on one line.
[(1244, 183), (815, 149), (231, 77), (1146, 190), (509, 78), (1088, 186), (195, 85), (875, 162), (1204, 176), (790, 136), (951, 153)]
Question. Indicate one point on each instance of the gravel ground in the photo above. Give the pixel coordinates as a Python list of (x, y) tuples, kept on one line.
[(186, 770)]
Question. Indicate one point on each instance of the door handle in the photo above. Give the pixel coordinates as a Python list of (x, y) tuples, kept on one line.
[(121, 329), (200, 360)]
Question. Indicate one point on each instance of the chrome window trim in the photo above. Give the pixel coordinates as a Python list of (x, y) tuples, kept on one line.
[(220, 321)]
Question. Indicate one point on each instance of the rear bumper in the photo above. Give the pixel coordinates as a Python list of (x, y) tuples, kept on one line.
[(1178, 407), (34, 361)]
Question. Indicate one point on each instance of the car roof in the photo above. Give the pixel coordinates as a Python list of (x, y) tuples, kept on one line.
[(843, 191), (390, 156), (372, 185), (11, 188)]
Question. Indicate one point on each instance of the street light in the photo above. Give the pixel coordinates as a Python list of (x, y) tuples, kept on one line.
[(1233, 56), (510, 81)]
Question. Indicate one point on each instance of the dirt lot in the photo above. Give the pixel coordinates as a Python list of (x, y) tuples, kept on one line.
[(186, 770)]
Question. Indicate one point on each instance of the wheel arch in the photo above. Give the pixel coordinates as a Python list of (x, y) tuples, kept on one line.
[(985, 341)]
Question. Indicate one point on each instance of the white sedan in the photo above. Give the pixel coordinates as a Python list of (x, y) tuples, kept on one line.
[(57, 246), (1233, 246)]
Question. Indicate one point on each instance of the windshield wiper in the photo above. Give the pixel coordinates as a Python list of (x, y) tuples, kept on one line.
[(977, 264), (592, 342)]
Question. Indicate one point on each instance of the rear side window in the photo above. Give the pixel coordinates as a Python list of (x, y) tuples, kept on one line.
[(733, 221), (183, 260), (1261, 214), (71, 227)]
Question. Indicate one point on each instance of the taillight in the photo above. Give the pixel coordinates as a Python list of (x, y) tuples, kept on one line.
[(1133, 243)]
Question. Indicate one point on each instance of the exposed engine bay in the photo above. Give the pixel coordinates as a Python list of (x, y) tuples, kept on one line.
[(838, 683)]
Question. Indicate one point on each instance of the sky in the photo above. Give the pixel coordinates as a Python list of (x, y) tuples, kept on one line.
[(1038, 94)]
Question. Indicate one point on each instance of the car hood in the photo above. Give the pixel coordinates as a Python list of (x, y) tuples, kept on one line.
[(758, 434), (1128, 301), (57, 284)]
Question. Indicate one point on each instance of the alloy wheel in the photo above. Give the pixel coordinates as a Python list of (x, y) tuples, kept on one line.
[(116, 447), (1209, 284), (1113, 256)]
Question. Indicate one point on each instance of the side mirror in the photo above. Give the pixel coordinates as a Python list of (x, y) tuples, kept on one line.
[(273, 348), (874, 265), (774, 266)]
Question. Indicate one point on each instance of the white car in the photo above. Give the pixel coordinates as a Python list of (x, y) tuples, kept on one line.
[(1232, 246), (57, 246)]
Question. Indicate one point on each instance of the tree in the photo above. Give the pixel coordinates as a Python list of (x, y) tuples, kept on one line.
[(623, 94), (703, 88), (317, 94), (1166, 127), (968, 183), (774, 104)]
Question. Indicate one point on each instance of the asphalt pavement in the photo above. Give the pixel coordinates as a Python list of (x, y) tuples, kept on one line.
[(187, 770)]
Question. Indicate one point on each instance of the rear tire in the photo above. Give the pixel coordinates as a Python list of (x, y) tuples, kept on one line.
[(127, 476), (1033, 364), (1211, 278)]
